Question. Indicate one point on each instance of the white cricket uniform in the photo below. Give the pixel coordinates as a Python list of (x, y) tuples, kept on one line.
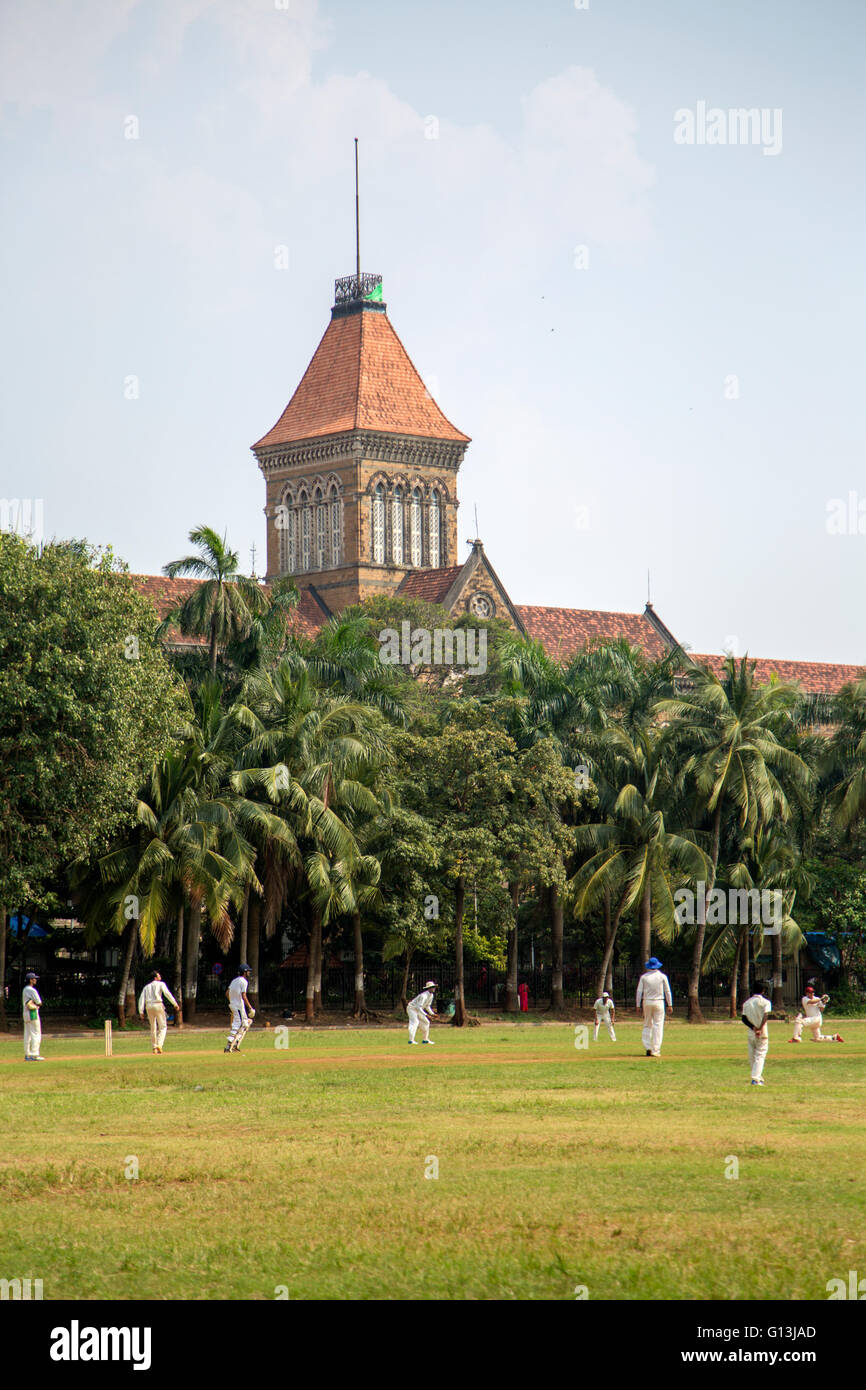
[(418, 1010), (32, 1026), (756, 1010), (603, 1010), (653, 992), (811, 1016), (150, 1002), (238, 1004)]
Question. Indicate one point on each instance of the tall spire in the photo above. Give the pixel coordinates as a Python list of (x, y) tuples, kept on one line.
[(357, 225)]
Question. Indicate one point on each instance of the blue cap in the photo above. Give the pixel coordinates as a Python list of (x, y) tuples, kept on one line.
[(653, 963), (243, 969)]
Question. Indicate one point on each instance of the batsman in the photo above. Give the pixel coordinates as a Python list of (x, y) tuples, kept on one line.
[(242, 1010), (811, 1016)]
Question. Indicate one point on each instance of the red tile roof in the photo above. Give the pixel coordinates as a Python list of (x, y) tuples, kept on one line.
[(430, 585), (360, 377), (166, 594), (564, 631), (816, 677)]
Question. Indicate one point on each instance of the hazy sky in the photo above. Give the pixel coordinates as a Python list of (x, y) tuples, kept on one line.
[(684, 394)]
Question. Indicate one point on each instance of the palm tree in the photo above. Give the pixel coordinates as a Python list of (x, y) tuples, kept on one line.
[(728, 735), (635, 861), (221, 608)]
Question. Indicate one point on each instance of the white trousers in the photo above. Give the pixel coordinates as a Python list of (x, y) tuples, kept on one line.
[(653, 1028), (32, 1037), (599, 1020), (239, 1024), (158, 1024), (814, 1026), (758, 1049), (417, 1017)]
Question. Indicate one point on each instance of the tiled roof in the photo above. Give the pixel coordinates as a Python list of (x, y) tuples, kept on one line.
[(564, 631), (816, 677), (166, 594), (360, 377), (430, 585)]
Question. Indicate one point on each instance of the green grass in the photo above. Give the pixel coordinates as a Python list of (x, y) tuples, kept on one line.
[(558, 1167)]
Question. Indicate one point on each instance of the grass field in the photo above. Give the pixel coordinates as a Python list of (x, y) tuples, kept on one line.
[(557, 1167)]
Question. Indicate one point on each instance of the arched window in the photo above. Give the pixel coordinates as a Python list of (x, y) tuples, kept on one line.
[(336, 527), (434, 529), (415, 527), (379, 524), (321, 531), (397, 526), (306, 538), (288, 536)]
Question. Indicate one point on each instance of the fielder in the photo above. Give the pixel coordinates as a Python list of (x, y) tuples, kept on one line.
[(605, 1009), (811, 1017), (653, 994), (150, 1001), (31, 1004), (420, 1011), (755, 1011), (243, 1012)]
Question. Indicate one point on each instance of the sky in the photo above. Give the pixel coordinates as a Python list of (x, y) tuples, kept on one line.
[(651, 327)]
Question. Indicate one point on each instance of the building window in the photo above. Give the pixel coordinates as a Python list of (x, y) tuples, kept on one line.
[(397, 526), (306, 539), (336, 527), (434, 521), (288, 536), (321, 531), (379, 524), (415, 527)]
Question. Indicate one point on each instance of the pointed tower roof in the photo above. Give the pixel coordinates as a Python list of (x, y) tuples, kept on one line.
[(360, 378)]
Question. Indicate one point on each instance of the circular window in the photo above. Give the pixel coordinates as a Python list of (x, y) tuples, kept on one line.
[(481, 606)]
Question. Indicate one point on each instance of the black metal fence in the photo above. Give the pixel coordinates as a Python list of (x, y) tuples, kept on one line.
[(78, 993)]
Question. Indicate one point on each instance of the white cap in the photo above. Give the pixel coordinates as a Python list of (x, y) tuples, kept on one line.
[(431, 984)]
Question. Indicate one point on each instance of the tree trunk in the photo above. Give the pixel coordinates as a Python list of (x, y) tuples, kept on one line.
[(128, 952), (608, 950), (4, 1022), (695, 1015), (178, 966), (557, 1000), (459, 1019), (608, 983), (512, 1002), (732, 1006), (192, 951), (254, 936), (360, 1007), (404, 988), (745, 991), (778, 992), (317, 970), (645, 921), (310, 997), (245, 916)]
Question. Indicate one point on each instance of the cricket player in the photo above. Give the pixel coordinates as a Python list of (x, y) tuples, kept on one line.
[(420, 1011), (755, 1012), (31, 1004), (604, 1013), (150, 1001), (653, 994), (811, 1017), (243, 1012)]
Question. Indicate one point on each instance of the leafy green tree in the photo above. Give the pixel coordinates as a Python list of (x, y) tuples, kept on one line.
[(225, 604)]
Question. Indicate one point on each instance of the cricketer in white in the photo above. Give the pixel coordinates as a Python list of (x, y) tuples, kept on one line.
[(420, 1011), (150, 1001), (755, 1011), (653, 993)]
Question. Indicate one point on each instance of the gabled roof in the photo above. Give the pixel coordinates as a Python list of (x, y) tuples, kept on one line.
[(564, 631), (816, 677), (166, 594), (429, 585), (360, 378)]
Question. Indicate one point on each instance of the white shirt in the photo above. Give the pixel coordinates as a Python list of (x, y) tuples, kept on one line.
[(603, 1006), (756, 1009), (422, 1002), (154, 993), (811, 1006), (654, 988), (29, 996), (238, 992)]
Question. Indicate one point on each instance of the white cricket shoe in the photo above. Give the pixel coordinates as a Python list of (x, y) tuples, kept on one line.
[(427, 1042)]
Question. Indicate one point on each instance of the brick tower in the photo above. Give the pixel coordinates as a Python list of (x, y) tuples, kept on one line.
[(361, 467)]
